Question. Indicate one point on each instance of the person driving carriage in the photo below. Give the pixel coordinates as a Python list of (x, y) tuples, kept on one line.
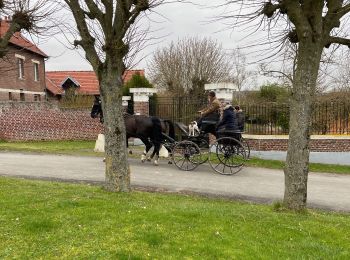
[(212, 112)]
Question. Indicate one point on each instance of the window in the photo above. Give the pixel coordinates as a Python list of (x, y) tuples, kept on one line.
[(10, 96), (21, 97), (20, 68), (36, 71), (37, 97)]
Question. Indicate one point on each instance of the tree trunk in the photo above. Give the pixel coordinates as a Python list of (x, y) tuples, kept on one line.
[(117, 167), (297, 164)]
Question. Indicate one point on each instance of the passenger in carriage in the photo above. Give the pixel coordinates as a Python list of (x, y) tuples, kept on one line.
[(212, 112), (240, 118), (229, 119)]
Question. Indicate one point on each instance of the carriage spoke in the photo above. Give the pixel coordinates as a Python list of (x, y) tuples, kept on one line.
[(188, 152), (179, 160), (183, 163), (229, 155)]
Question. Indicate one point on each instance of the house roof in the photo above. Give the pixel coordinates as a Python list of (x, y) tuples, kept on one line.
[(19, 40), (87, 80)]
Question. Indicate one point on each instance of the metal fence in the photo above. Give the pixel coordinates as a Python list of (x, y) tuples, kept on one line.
[(327, 118), (264, 119), (178, 109), (331, 118)]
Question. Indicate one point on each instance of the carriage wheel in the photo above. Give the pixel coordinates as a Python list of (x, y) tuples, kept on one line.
[(204, 148), (227, 156), (186, 155)]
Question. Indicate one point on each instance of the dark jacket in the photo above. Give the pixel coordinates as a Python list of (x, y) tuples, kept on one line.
[(240, 120), (229, 120)]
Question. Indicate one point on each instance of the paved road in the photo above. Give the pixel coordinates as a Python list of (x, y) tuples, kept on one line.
[(327, 191)]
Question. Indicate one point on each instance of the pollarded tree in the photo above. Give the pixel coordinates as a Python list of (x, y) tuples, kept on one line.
[(23, 15), (185, 66), (314, 25), (105, 28)]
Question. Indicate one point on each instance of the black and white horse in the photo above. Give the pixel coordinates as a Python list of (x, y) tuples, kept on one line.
[(150, 130)]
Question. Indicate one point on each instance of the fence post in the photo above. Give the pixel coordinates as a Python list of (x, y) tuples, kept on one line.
[(224, 91), (125, 102), (141, 99)]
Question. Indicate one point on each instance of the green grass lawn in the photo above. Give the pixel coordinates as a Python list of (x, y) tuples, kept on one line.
[(57, 220), (55, 147), (85, 148)]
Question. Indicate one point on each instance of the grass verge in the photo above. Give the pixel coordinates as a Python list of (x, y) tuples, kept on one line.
[(314, 167), (85, 148), (58, 220)]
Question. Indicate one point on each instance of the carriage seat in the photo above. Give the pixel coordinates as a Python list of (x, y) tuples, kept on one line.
[(237, 134), (227, 131)]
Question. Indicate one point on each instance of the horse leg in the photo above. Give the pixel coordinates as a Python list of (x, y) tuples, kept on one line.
[(149, 158), (127, 144), (152, 155), (156, 152), (148, 147)]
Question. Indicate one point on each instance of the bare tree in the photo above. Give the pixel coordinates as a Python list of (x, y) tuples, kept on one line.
[(284, 72), (106, 29), (240, 75), (185, 66), (28, 15), (340, 74), (312, 25)]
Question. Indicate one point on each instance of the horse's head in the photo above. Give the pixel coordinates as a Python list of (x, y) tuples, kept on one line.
[(96, 110)]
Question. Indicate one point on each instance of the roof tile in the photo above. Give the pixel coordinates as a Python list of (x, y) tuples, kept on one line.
[(19, 40), (87, 80)]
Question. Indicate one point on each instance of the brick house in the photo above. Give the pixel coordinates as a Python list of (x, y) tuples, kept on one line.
[(22, 70), (59, 83)]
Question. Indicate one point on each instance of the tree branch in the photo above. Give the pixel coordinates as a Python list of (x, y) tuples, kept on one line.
[(4, 40), (87, 41), (343, 11), (296, 16), (95, 12), (269, 9), (338, 40), (331, 19)]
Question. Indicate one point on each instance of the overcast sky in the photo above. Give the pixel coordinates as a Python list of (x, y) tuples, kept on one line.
[(172, 22), (178, 21)]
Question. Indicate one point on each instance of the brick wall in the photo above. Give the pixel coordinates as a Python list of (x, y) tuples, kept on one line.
[(45, 121), (322, 144), (141, 107)]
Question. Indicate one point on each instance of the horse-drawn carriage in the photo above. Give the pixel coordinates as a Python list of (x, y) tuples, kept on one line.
[(226, 155)]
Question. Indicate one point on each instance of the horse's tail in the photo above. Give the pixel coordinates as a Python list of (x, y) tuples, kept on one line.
[(157, 130), (171, 128)]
